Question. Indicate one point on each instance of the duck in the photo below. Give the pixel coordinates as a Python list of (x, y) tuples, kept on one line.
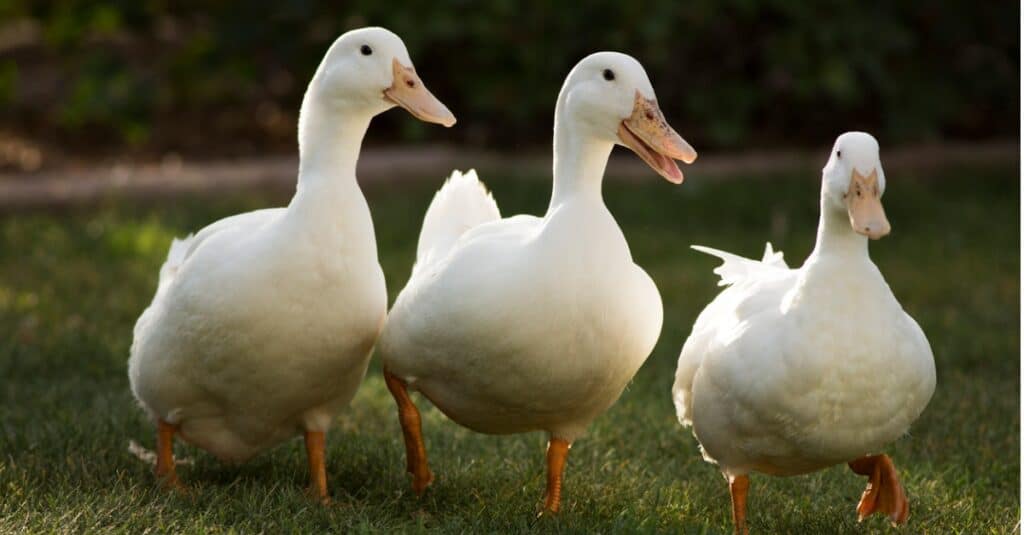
[(525, 323), (262, 324), (791, 371)]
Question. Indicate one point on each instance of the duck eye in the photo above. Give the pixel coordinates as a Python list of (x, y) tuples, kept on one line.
[(609, 75), (366, 50), (839, 154)]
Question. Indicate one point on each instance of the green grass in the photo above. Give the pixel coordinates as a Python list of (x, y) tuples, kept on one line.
[(72, 284)]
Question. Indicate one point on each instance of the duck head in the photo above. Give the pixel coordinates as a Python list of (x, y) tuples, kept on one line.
[(369, 70), (853, 182), (608, 96)]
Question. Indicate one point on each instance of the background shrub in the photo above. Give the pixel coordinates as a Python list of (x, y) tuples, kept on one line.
[(145, 75)]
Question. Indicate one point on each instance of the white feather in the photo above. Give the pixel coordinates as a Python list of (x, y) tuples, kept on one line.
[(462, 203), (531, 323), (263, 323), (735, 269), (788, 371)]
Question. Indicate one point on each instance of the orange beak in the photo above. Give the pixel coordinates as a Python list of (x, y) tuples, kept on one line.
[(864, 203), (408, 91), (647, 133)]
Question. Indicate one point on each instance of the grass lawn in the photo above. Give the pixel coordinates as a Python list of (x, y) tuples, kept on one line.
[(72, 284)]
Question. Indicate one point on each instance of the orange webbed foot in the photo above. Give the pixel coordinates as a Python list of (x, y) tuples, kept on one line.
[(412, 434), (738, 488), (165, 471), (316, 455), (558, 452), (884, 494), (422, 477)]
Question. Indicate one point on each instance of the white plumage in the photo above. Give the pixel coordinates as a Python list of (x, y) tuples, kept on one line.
[(523, 323), (263, 323), (533, 323), (527, 323), (789, 371), (461, 204)]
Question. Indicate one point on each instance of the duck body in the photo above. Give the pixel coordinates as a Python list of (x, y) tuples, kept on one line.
[(247, 345), (791, 371), (263, 323), (527, 324), (534, 323)]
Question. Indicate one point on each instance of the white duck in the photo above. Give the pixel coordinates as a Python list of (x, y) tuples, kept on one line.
[(534, 323), (789, 371), (263, 322)]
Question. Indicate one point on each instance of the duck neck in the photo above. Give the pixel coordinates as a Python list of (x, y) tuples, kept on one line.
[(836, 238), (330, 137), (579, 162)]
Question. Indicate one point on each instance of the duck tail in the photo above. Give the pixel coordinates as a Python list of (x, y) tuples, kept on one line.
[(736, 269), (462, 203), (175, 257)]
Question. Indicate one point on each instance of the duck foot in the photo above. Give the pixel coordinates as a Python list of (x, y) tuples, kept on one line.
[(315, 452), (558, 451), (738, 486), (165, 471), (884, 494), (412, 432)]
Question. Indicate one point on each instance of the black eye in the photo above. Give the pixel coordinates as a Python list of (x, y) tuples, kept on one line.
[(366, 50), (609, 75), (839, 154)]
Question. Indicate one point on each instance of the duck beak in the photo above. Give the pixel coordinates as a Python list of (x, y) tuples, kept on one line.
[(864, 203), (647, 133), (408, 91)]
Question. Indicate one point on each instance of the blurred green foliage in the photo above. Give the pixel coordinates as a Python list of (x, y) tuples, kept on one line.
[(169, 75)]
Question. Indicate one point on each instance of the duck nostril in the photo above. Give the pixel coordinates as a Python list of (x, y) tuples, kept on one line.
[(650, 116), (410, 83)]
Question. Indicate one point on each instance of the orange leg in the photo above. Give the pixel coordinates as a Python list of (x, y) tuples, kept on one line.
[(738, 486), (315, 441), (165, 469), (558, 451), (415, 450), (883, 494)]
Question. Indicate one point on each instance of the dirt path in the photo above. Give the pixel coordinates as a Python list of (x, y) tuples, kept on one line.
[(84, 186)]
